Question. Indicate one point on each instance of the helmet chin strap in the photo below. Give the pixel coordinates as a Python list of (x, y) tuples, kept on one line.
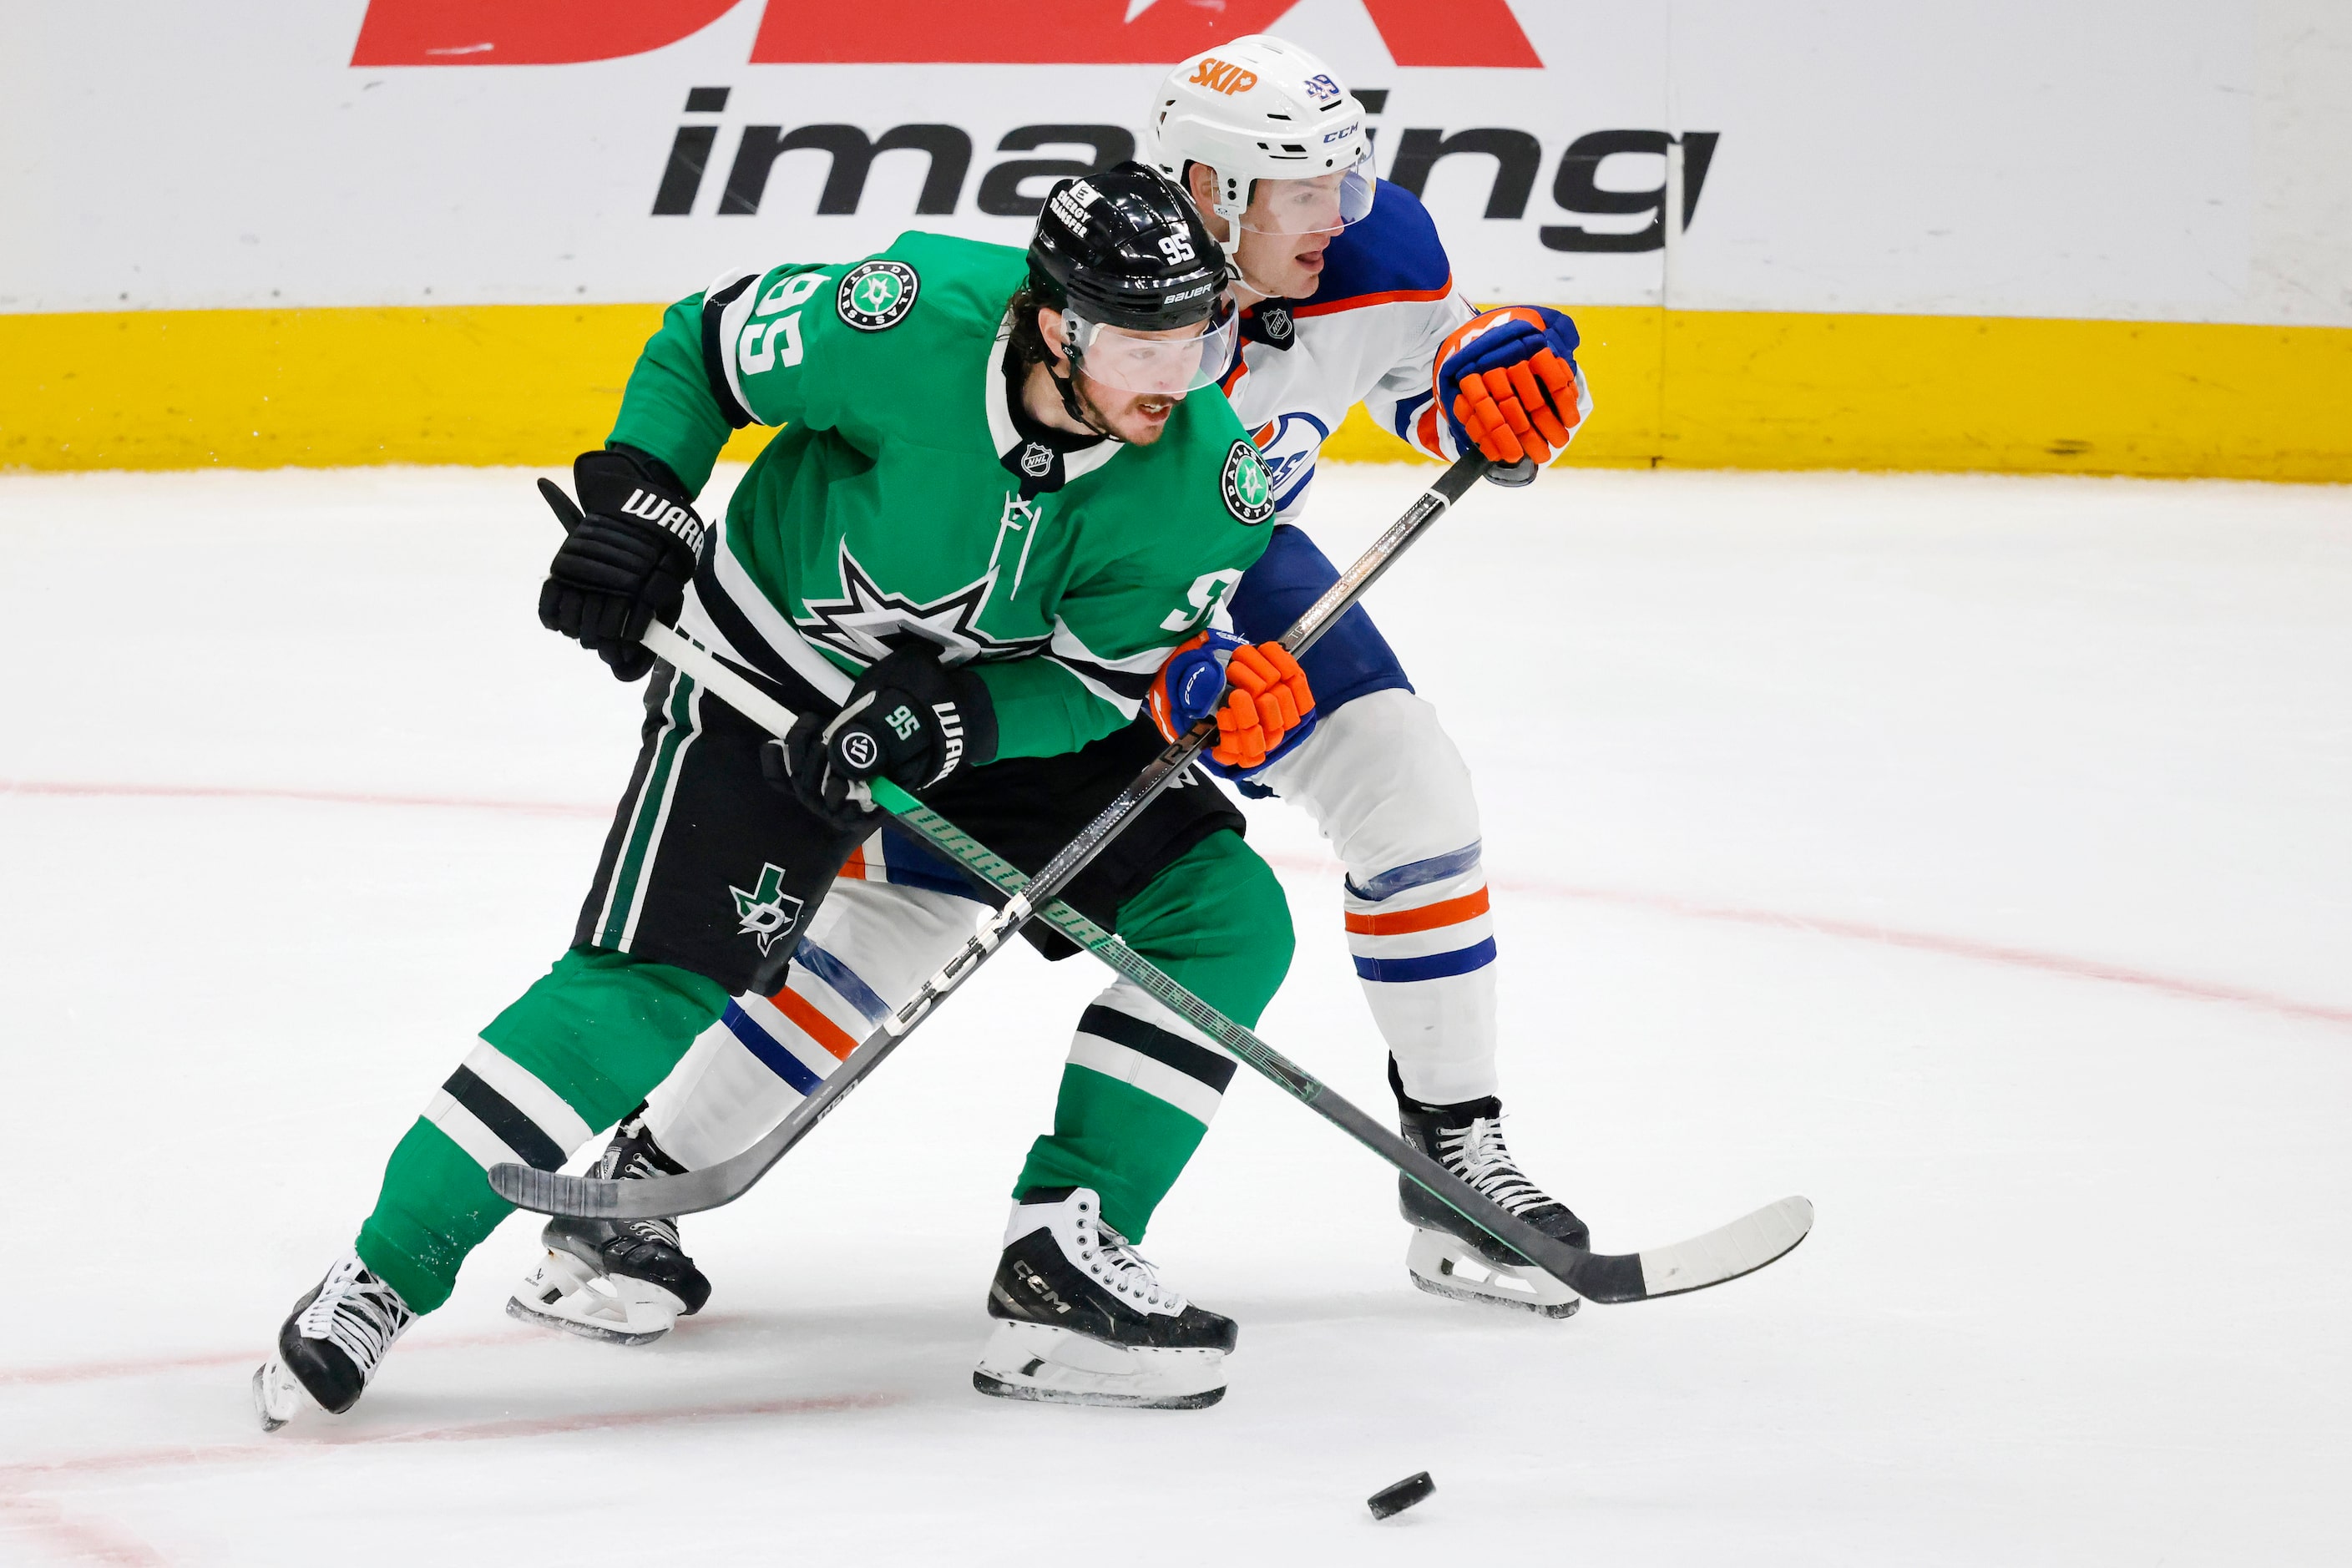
[(1073, 405)]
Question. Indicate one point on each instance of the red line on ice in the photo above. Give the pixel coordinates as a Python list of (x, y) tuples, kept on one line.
[(1890, 936), (99, 1370), (76, 1540), (29, 1474), (72, 790), (1855, 931)]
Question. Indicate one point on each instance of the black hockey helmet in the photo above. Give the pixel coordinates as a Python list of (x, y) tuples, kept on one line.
[(1125, 248)]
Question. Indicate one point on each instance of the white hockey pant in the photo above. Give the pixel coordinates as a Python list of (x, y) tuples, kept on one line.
[(872, 943), (1384, 783), (1381, 778)]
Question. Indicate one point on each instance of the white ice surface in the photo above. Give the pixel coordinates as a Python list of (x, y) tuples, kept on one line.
[(1972, 856)]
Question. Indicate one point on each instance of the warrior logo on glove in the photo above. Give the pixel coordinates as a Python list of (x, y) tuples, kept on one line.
[(909, 719)]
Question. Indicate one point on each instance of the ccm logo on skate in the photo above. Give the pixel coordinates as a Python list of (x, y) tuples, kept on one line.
[(1038, 1287)]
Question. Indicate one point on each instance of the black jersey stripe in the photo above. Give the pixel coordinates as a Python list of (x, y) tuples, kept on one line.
[(754, 655), (508, 1125), (714, 353), (1133, 686), (1170, 1050)]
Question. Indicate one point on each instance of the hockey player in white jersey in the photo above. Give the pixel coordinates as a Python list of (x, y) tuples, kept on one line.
[(1348, 297)]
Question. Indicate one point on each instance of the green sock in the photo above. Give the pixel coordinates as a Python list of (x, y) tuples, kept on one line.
[(573, 1055), (1217, 922)]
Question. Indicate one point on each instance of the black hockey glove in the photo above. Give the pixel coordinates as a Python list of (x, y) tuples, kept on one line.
[(628, 552), (909, 718)]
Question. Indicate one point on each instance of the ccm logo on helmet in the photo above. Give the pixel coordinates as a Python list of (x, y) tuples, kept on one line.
[(1218, 77)]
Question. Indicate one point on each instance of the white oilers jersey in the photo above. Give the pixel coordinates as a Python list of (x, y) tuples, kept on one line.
[(1369, 334)]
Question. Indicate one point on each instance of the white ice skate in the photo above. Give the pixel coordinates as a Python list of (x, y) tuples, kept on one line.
[(1082, 1319)]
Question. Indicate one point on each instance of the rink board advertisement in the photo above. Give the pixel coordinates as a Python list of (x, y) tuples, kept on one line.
[(1759, 212)]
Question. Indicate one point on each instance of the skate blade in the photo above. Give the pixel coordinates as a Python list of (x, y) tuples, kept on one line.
[(1054, 1366), (565, 1294), (1446, 1266), (276, 1395)]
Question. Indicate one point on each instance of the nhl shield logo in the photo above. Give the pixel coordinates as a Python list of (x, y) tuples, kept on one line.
[(1249, 493), (877, 294), (1037, 458), (767, 912), (1274, 321)]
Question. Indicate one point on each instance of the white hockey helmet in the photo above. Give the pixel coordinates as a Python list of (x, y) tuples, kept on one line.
[(1262, 109)]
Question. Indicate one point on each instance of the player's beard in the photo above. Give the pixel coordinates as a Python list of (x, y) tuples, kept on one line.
[(1125, 418)]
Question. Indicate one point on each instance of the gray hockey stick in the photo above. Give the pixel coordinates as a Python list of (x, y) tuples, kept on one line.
[(1725, 1253)]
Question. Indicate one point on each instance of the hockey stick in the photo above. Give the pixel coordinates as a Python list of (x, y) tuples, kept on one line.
[(1026, 897), (1725, 1253)]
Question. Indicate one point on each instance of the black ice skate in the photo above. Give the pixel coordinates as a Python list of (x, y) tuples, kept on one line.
[(1081, 1319), (331, 1345), (1451, 1257), (625, 1282)]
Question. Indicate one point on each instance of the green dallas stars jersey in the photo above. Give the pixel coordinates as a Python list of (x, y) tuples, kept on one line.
[(900, 501)]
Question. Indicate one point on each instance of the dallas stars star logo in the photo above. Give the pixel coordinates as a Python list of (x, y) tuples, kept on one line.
[(868, 623)]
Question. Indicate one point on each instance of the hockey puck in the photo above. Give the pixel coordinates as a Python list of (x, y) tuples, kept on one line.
[(1403, 1495)]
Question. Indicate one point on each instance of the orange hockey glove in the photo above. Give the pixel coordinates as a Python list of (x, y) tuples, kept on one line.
[(1268, 704), (1507, 383)]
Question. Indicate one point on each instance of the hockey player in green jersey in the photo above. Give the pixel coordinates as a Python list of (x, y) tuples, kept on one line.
[(990, 514)]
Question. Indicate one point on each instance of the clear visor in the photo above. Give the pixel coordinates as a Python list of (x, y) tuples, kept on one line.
[(1172, 362), (1324, 205)]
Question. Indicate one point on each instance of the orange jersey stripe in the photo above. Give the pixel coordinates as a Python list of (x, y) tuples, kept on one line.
[(814, 1023), (1425, 431), (854, 867), (1358, 302), (1429, 917)]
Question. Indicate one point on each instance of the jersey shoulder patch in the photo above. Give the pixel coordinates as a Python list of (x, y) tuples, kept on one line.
[(875, 295), (963, 281), (1392, 253), (1248, 489)]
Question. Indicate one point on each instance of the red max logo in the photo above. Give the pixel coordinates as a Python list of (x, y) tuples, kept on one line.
[(908, 32)]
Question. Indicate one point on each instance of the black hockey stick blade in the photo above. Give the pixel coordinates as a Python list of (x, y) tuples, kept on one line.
[(1724, 1253)]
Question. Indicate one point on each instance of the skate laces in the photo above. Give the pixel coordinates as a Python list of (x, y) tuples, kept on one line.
[(1124, 1269), (634, 1156), (358, 1314), (1476, 1153)]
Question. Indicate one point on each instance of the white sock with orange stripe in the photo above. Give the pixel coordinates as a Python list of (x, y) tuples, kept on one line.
[(1425, 952), (870, 945), (1392, 795)]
